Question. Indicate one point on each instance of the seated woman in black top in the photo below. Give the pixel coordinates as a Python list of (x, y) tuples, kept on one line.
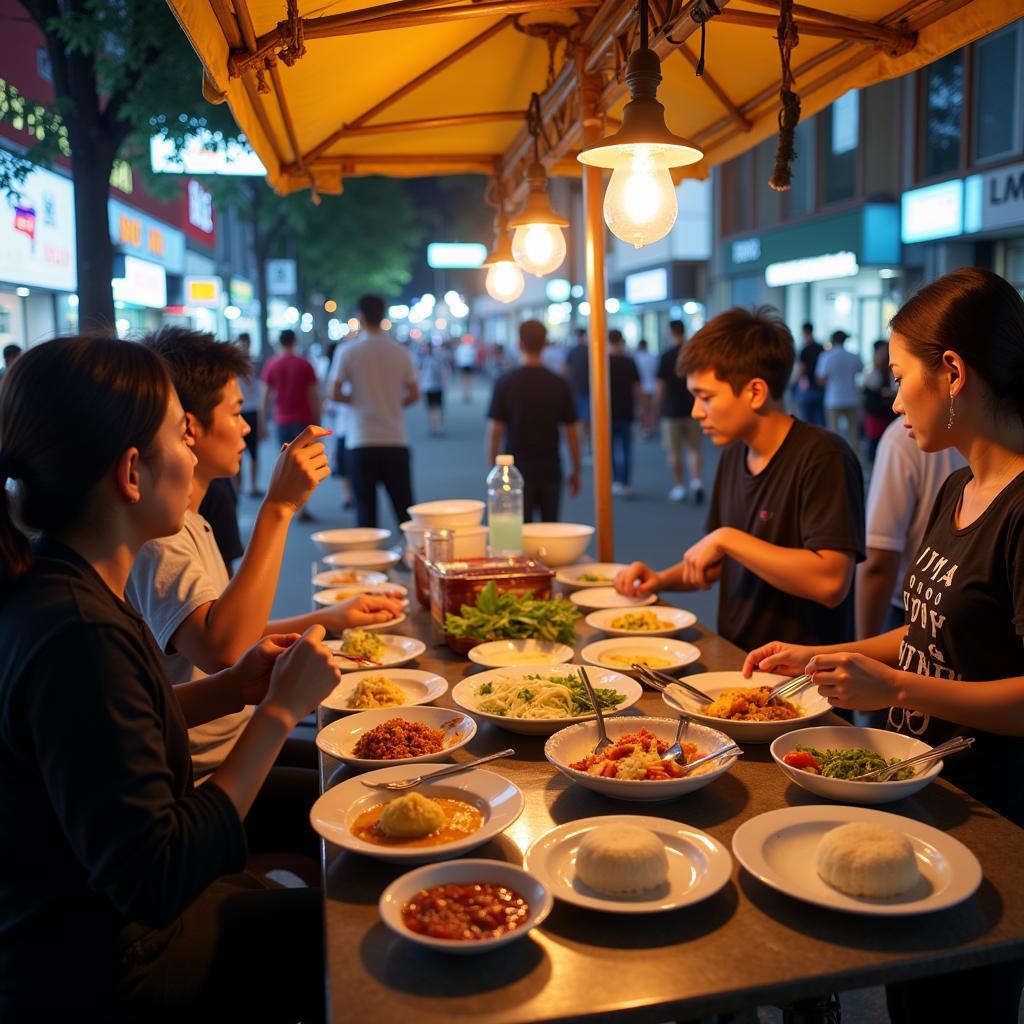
[(957, 665), (117, 894)]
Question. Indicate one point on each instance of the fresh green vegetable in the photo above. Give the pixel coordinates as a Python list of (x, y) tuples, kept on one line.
[(504, 616), (848, 763)]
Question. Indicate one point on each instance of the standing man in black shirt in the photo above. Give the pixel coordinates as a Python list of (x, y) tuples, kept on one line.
[(624, 392), (809, 394), (786, 523), (577, 372), (679, 429), (528, 406)]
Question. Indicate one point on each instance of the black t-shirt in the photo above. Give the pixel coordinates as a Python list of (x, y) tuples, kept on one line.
[(676, 401), (219, 508), (809, 496), (623, 377), (577, 364), (104, 835), (964, 600), (808, 358), (532, 402)]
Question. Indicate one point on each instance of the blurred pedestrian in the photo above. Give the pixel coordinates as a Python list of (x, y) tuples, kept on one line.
[(11, 352), (252, 399), (679, 430), (837, 372), (808, 393), (647, 367), (577, 372), (465, 360), (432, 380), (624, 393), (339, 419), (879, 392)]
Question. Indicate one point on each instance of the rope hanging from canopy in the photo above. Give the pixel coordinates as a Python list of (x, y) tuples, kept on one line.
[(789, 112)]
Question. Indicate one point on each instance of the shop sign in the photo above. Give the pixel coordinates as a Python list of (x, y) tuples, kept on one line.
[(814, 268), (139, 235), (935, 211), (994, 200), (282, 277), (199, 212), (203, 153), (746, 250), (37, 234), (139, 282), (206, 292), (240, 291), (647, 286), (456, 255)]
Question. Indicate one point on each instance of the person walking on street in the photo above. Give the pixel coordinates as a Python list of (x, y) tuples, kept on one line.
[(376, 379), (624, 393), (837, 372), (528, 406), (809, 394), (679, 429), (340, 418), (879, 391), (647, 367), (252, 399), (432, 381), (577, 372), (465, 360)]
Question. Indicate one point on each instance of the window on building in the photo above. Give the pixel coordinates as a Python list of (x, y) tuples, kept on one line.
[(997, 95), (839, 140), (738, 194), (943, 105), (800, 197)]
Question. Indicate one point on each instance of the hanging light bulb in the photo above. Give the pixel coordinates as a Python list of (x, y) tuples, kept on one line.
[(538, 245), (504, 280), (640, 203)]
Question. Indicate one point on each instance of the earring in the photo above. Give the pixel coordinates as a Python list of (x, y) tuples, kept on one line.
[(949, 424)]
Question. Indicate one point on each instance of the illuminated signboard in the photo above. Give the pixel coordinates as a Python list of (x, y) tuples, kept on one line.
[(203, 153), (37, 233), (203, 291), (141, 284), (935, 211), (815, 268), (647, 286), (456, 255), (137, 234)]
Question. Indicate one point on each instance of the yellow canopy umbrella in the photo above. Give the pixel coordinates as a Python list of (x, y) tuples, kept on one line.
[(326, 90)]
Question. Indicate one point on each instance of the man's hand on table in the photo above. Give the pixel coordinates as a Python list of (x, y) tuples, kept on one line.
[(637, 580)]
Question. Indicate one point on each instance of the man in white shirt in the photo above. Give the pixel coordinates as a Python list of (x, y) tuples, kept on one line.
[(837, 372), (381, 382)]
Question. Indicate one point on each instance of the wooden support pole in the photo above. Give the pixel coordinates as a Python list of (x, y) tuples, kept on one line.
[(600, 413), (892, 37), (866, 33)]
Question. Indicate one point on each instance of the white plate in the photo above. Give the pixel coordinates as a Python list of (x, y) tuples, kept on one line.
[(847, 791), (713, 683), (335, 595), (400, 650), (507, 653), (464, 695), (570, 575), (340, 737), (464, 872), (678, 617), (578, 741), (376, 627), (677, 653), (349, 578), (608, 597), (699, 865), (376, 560), (780, 848), (353, 539), (500, 801), (420, 687)]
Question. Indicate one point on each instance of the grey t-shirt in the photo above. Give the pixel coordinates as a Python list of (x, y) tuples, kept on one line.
[(172, 577), (378, 371)]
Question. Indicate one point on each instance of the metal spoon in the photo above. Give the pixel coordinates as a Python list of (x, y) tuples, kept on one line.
[(713, 756), (676, 750), (603, 741), (449, 770)]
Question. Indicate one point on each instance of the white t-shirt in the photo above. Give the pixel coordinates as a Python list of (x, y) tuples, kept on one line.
[(340, 409), (838, 368), (378, 371), (172, 577), (647, 367), (904, 483)]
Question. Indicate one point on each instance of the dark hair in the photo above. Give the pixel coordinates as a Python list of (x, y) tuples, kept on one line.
[(200, 367), (740, 345), (11, 352), (677, 327), (581, 333), (244, 336), (68, 409), (642, 344), (532, 336), (615, 337), (880, 344), (978, 315), (807, 326), (371, 309), (286, 338)]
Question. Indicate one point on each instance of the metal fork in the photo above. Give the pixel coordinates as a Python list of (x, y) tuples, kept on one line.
[(676, 750), (732, 749), (789, 686), (448, 770), (660, 681), (603, 741), (953, 746)]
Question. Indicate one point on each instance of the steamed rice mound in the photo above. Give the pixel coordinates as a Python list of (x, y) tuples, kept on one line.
[(621, 860), (862, 859)]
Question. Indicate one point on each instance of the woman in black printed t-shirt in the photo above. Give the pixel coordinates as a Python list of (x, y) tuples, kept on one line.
[(957, 665)]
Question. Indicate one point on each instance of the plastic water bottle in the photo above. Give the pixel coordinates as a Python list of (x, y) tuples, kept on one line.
[(505, 507)]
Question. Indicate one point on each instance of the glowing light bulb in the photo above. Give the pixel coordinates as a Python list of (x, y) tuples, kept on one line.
[(504, 281), (539, 248), (640, 203)]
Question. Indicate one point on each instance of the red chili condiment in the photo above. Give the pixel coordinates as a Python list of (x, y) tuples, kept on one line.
[(471, 912)]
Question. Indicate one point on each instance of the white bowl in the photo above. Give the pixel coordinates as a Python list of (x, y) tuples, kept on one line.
[(846, 791), (398, 650), (570, 575), (358, 538), (340, 737), (713, 683), (420, 688), (677, 653), (506, 653), (500, 801), (442, 515), (335, 595), (464, 694), (375, 559), (468, 541), (678, 618), (578, 741), (593, 598), (465, 872), (348, 578), (556, 543)]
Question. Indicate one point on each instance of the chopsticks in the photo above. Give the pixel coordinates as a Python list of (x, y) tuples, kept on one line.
[(358, 659)]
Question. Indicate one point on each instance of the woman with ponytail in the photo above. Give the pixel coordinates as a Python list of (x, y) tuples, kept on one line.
[(121, 896), (957, 665)]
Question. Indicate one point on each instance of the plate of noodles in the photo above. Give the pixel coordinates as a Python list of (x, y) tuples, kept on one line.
[(541, 699), (384, 688)]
